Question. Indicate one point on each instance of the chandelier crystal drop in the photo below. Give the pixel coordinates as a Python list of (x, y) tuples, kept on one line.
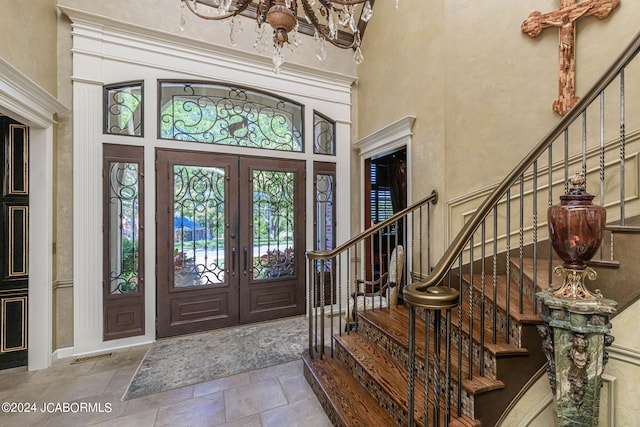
[(336, 22)]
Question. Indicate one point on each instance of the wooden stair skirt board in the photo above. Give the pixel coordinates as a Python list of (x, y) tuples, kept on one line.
[(365, 383)]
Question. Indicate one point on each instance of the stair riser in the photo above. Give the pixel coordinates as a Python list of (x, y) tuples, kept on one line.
[(527, 282), (515, 329), (490, 364), (389, 405), (399, 352), (489, 358)]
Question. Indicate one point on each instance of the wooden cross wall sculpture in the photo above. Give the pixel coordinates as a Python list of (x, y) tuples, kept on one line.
[(564, 18)]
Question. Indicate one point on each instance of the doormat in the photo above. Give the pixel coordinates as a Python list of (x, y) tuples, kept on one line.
[(187, 360)]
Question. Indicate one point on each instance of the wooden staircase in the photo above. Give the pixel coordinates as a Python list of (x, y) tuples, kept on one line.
[(364, 381)]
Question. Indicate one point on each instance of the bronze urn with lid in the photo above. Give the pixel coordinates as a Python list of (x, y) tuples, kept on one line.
[(576, 225), (576, 229)]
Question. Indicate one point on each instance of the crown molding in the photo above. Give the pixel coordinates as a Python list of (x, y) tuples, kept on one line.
[(386, 139), (99, 27), (25, 98)]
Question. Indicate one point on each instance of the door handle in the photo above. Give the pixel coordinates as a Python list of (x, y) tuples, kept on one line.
[(245, 261), (233, 261)]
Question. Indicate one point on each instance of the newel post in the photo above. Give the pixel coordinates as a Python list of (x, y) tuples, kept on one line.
[(576, 329)]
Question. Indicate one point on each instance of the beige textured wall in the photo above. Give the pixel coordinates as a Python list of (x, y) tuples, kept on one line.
[(404, 73), (29, 41), (63, 197), (481, 90)]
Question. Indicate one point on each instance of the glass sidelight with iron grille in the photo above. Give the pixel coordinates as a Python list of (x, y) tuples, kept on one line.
[(123, 240)]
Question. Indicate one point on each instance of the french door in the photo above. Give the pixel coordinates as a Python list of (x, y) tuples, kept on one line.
[(230, 240)]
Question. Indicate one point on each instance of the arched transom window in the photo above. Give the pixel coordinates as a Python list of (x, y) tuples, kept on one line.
[(218, 114)]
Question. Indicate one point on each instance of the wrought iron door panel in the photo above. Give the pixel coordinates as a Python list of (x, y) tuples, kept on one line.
[(230, 240), (14, 237), (197, 242), (273, 209)]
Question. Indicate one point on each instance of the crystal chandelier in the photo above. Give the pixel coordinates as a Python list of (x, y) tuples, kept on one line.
[(323, 18)]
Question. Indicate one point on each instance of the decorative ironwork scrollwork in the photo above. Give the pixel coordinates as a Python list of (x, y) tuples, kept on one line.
[(123, 113), (199, 196), (273, 224), (324, 131), (325, 187), (123, 224), (215, 114)]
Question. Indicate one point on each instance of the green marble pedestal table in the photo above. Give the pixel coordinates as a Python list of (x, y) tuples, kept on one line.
[(574, 336)]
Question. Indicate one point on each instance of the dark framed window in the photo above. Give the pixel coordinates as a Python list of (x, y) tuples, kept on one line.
[(324, 134), (123, 241), (324, 230), (123, 109)]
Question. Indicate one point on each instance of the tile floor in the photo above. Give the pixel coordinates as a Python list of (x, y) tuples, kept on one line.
[(278, 396)]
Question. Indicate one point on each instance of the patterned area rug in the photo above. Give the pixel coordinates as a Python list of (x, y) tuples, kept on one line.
[(182, 361)]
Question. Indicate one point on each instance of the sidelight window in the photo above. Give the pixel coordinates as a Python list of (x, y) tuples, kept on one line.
[(123, 240), (325, 227)]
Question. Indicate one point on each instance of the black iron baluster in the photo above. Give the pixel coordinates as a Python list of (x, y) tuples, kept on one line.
[(471, 285), (535, 237), (521, 249), (622, 146), (508, 268), (495, 275), (482, 294), (412, 364), (602, 162), (549, 203)]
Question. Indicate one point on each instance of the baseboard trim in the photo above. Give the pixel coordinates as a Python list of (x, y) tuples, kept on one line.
[(62, 353)]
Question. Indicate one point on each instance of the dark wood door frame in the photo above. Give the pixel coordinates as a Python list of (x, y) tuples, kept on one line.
[(241, 298), (192, 309), (123, 310)]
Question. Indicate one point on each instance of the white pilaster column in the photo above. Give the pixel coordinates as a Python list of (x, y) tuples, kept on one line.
[(87, 217)]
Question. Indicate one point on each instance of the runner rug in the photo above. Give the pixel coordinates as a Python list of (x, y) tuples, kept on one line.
[(187, 360)]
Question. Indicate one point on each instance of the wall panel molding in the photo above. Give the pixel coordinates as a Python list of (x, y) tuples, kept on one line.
[(460, 209), (624, 354)]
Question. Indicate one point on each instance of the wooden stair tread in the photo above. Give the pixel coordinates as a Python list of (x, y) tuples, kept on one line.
[(397, 324), (477, 385), (391, 375), (350, 401), (526, 316), (603, 263)]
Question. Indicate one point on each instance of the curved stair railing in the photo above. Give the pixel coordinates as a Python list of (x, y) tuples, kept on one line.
[(508, 231)]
